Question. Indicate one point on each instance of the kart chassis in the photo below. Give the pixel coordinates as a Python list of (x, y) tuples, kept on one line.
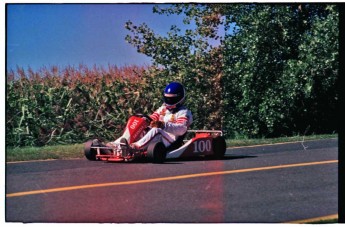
[(204, 143)]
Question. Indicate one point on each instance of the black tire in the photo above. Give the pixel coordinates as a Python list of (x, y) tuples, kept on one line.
[(156, 152), (90, 153), (219, 147)]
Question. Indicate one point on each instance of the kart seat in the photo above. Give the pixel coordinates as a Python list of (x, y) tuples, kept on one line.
[(178, 143)]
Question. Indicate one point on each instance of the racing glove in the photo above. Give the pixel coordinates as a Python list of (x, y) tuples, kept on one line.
[(157, 124)]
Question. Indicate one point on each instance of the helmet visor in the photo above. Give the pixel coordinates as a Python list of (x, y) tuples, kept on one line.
[(171, 99)]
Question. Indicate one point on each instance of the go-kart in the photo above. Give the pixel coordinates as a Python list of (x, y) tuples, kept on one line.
[(210, 143)]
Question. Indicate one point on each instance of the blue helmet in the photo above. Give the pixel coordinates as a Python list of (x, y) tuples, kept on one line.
[(174, 95)]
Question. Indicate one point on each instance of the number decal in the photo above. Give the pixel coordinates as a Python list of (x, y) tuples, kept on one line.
[(202, 146), (134, 124)]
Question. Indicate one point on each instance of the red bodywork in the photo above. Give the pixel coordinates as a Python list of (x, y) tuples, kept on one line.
[(200, 145), (135, 127)]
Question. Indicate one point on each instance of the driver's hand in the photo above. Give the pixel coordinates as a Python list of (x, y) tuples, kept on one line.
[(157, 124)]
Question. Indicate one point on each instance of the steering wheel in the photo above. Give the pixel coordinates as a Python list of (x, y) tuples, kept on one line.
[(144, 116)]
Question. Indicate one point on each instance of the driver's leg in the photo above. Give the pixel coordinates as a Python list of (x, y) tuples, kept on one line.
[(155, 134)]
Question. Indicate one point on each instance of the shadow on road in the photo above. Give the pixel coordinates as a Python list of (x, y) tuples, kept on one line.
[(191, 159), (239, 156), (227, 157)]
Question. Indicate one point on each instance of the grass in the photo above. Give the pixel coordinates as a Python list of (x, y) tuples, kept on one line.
[(249, 142), (76, 150), (44, 153)]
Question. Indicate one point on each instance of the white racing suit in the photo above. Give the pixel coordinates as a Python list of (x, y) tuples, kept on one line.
[(175, 122)]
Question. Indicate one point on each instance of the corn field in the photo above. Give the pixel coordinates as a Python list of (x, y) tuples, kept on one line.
[(66, 106)]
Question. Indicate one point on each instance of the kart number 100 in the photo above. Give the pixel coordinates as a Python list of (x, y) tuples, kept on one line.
[(202, 146)]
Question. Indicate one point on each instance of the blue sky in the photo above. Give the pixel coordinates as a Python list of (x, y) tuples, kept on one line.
[(69, 34)]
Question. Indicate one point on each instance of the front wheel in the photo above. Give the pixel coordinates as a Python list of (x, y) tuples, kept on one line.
[(219, 147), (156, 152), (90, 153)]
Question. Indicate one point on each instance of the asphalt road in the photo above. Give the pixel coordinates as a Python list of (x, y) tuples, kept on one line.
[(264, 184)]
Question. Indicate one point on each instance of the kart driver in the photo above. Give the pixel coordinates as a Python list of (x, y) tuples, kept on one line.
[(169, 121)]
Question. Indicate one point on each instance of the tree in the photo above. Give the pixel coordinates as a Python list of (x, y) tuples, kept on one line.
[(275, 59), (188, 57), (273, 72)]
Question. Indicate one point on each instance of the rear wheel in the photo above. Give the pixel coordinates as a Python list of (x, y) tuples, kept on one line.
[(219, 147), (156, 152)]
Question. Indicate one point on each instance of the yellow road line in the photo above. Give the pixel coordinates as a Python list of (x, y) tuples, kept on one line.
[(318, 219), (187, 176)]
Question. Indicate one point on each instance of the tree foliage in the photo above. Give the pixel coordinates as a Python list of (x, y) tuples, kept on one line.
[(272, 73), (187, 56), (283, 61)]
